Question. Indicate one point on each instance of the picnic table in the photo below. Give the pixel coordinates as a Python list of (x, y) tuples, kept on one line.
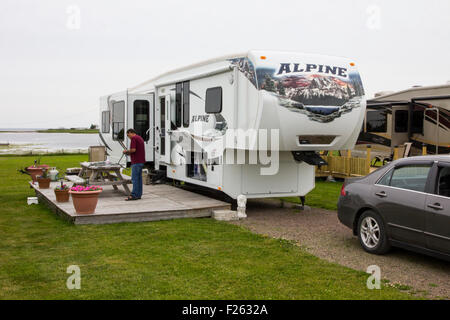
[(102, 173)]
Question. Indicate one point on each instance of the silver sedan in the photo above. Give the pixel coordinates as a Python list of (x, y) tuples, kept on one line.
[(404, 204)]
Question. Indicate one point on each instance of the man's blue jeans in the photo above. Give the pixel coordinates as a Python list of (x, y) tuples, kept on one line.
[(136, 178)]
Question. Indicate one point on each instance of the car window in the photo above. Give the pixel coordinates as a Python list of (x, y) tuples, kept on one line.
[(412, 177), (443, 185), (386, 179)]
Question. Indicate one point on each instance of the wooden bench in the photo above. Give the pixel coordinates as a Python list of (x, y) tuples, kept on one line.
[(76, 179), (73, 171), (126, 178)]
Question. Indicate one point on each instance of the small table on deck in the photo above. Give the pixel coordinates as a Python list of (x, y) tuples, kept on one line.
[(105, 174)]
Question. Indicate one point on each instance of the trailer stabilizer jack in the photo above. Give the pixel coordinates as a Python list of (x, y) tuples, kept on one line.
[(310, 157)]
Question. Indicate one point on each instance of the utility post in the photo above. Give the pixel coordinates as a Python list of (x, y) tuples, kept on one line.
[(368, 158), (395, 153), (424, 149), (348, 161)]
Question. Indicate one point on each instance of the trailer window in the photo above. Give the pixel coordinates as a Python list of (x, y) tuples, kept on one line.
[(178, 103), (105, 121), (141, 118), (118, 121), (376, 121), (186, 93), (213, 102), (417, 122), (401, 121)]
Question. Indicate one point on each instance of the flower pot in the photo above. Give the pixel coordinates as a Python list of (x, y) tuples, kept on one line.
[(44, 183), (85, 202), (34, 172), (62, 195)]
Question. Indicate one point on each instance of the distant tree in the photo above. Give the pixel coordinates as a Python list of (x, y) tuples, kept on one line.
[(93, 126)]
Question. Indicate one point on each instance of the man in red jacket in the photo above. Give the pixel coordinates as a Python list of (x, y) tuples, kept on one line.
[(137, 155)]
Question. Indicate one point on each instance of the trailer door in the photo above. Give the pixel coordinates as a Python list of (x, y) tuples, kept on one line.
[(400, 125), (141, 119), (162, 130), (431, 115), (117, 105), (169, 106)]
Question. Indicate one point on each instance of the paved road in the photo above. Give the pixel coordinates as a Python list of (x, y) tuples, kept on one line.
[(320, 233)]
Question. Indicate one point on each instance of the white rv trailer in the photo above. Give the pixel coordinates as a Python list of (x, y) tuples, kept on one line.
[(304, 102)]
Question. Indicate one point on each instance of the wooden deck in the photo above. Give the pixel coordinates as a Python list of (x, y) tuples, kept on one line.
[(159, 202)]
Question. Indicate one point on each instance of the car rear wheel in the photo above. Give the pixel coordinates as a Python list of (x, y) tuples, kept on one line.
[(372, 234)]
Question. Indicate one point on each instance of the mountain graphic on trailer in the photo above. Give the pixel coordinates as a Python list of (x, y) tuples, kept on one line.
[(311, 90), (321, 98)]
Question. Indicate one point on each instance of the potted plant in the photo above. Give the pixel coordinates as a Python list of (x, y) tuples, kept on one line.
[(62, 193), (36, 169), (85, 198), (34, 172), (44, 179)]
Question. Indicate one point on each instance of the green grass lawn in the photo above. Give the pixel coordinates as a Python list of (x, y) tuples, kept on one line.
[(325, 195), (178, 259)]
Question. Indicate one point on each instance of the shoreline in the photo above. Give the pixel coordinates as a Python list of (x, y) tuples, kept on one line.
[(18, 131), (85, 131), (45, 153)]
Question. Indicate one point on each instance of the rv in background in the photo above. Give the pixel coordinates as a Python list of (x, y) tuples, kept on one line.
[(315, 103), (420, 115)]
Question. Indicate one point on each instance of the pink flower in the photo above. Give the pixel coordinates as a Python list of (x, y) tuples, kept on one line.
[(84, 189)]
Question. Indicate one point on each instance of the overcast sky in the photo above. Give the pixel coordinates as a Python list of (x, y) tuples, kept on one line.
[(58, 57)]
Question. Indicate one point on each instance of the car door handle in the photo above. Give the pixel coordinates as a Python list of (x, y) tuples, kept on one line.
[(381, 194), (436, 206)]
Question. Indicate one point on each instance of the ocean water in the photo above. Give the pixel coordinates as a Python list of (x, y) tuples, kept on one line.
[(42, 143)]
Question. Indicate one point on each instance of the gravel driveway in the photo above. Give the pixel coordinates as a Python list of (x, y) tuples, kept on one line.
[(321, 234)]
